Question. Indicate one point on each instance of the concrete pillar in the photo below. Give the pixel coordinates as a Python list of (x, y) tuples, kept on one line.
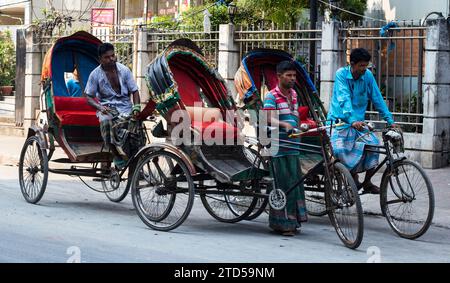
[(331, 59), (28, 16), (228, 55), (436, 101), (33, 59), (142, 60)]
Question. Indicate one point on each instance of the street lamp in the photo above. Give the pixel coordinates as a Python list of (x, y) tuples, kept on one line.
[(232, 10)]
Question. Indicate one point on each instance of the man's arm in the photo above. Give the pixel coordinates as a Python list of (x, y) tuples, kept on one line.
[(344, 98), (271, 108), (134, 90), (91, 91)]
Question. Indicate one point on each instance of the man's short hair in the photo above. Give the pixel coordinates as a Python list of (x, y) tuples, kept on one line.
[(360, 54), (285, 66), (105, 47)]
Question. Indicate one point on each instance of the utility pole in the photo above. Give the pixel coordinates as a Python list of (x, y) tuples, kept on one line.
[(145, 12), (312, 43)]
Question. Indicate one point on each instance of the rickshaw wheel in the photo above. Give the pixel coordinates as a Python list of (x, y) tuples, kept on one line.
[(344, 206), (261, 205), (315, 200), (33, 170), (115, 189), (227, 207), (407, 199), (162, 190)]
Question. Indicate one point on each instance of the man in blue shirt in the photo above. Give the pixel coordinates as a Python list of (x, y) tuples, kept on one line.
[(112, 83), (353, 88), (73, 85)]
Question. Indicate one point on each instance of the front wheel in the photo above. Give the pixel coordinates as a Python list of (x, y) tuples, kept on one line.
[(407, 199), (33, 170), (344, 206), (162, 190)]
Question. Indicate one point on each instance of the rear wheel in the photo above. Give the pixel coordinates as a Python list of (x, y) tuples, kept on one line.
[(227, 205), (315, 199), (344, 206), (162, 190), (407, 199), (116, 188), (258, 162), (33, 170)]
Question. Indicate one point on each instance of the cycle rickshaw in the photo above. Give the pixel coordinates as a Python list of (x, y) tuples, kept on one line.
[(229, 183), (73, 125), (406, 198)]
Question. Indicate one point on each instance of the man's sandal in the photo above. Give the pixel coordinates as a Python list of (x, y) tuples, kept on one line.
[(371, 189)]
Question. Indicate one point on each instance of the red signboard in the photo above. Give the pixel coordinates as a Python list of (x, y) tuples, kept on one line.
[(102, 17)]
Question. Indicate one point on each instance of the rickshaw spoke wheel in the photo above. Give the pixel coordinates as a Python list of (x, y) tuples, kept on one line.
[(261, 205), (162, 190), (116, 188), (33, 170), (344, 206), (407, 199), (315, 200), (226, 206)]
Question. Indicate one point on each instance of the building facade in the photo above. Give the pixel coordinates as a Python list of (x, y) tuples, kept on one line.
[(406, 10)]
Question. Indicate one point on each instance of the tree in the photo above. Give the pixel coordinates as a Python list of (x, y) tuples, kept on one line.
[(278, 11), (286, 12), (7, 59), (354, 6)]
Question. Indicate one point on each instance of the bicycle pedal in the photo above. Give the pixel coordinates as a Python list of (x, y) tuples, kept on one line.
[(99, 179)]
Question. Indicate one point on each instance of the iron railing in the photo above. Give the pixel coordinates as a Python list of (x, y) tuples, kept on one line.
[(123, 39), (159, 39), (296, 40)]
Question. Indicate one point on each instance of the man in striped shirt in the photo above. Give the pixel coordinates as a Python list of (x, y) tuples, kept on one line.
[(285, 165)]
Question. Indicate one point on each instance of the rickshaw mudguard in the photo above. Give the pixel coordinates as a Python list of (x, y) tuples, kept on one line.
[(35, 130), (169, 148)]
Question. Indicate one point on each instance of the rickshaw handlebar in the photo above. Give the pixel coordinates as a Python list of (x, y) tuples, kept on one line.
[(304, 129)]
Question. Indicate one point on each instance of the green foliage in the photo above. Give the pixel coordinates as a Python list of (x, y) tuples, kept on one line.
[(165, 21), (355, 6), (284, 12), (7, 59), (278, 11), (51, 21), (193, 18)]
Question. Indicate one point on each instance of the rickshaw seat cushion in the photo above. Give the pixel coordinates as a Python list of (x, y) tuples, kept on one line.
[(211, 120), (211, 129), (303, 112), (78, 118), (75, 111), (304, 119)]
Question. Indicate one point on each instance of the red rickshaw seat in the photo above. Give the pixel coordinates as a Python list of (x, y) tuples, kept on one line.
[(75, 111), (213, 122), (304, 119)]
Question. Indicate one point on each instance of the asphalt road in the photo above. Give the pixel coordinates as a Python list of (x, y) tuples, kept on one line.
[(73, 223)]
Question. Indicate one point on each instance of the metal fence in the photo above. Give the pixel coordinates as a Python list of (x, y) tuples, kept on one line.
[(398, 66), (123, 39), (208, 42), (296, 40)]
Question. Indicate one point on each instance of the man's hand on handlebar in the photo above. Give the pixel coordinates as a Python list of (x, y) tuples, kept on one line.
[(104, 109), (359, 125)]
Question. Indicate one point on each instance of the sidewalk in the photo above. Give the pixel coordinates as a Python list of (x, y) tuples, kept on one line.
[(11, 146)]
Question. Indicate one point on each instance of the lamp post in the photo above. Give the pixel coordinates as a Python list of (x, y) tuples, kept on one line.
[(232, 9)]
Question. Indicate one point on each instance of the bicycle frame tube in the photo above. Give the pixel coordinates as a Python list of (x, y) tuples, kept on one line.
[(325, 162)]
